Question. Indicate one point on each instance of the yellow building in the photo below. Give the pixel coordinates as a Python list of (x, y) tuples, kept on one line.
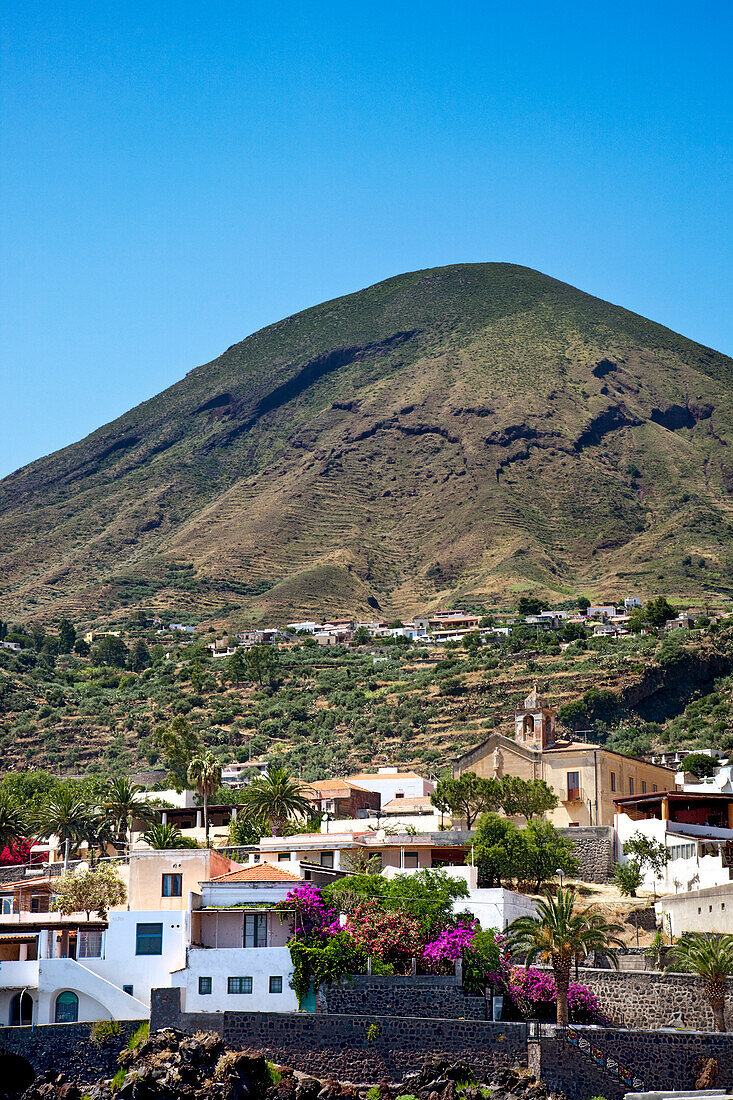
[(586, 778)]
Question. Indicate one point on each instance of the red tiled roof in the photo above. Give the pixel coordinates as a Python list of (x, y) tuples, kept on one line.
[(258, 872)]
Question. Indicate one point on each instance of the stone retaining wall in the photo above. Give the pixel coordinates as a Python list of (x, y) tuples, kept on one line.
[(638, 998), (369, 1047), (433, 996), (67, 1048), (662, 1060), (595, 849)]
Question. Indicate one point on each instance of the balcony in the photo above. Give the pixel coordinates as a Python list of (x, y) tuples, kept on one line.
[(19, 975), (574, 794)]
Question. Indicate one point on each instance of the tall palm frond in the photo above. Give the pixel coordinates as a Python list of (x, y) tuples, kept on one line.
[(204, 773), (68, 816), (276, 797), (712, 960), (559, 936), (123, 802), (13, 821), (164, 836)]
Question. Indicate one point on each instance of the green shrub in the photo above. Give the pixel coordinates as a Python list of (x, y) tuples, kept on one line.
[(139, 1036), (102, 1031), (118, 1080)]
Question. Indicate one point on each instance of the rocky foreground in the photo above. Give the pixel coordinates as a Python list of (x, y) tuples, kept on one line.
[(174, 1066)]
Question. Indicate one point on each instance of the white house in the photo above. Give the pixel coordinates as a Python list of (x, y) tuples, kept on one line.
[(238, 958), (57, 969), (391, 783), (696, 828)]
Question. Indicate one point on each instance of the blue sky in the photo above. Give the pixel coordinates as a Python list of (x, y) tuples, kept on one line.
[(175, 176)]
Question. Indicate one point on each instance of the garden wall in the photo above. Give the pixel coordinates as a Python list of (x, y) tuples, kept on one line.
[(662, 1060), (639, 998), (595, 849), (432, 996), (369, 1047)]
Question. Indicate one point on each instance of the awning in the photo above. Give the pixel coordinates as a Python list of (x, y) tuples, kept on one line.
[(18, 937)]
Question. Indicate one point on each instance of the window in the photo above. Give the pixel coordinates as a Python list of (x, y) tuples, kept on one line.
[(613, 781), (255, 930), (573, 786), (682, 851), (149, 939), (239, 985), (643, 787), (283, 857), (89, 945), (326, 859), (128, 990), (205, 986), (411, 859), (654, 788), (631, 785), (276, 983), (67, 1008), (172, 886), (400, 794)]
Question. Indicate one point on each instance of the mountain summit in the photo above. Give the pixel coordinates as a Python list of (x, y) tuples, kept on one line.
[(460, 432)]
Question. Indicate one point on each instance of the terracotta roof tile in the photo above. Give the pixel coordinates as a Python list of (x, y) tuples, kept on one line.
[(258, 872)]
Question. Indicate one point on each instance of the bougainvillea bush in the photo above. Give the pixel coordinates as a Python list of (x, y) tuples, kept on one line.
[(20, 852), (392, 936), (309, 914), (534, 994)]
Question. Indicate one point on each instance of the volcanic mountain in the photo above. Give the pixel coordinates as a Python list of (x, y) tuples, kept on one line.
[(464, 432)]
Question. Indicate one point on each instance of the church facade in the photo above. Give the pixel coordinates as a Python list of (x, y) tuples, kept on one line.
[(586, 778)]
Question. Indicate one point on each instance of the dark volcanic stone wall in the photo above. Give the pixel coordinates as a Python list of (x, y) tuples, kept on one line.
[(595, 849), (436, 997), (638, 998)]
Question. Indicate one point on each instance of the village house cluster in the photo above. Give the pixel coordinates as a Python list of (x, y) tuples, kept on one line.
[(203, 920)]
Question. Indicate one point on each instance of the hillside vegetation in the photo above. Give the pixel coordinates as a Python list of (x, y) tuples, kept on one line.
[(457, 433), (324, 713)]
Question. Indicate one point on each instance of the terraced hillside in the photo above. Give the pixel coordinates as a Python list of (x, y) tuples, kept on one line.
[(328, 713), (461, 432)]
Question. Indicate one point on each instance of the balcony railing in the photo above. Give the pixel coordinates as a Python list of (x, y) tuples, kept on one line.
[(574, 794)]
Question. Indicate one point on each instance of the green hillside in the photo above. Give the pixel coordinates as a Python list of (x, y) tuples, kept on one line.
[(458, 433)]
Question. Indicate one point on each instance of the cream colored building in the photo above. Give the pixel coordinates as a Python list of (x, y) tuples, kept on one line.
[(586, 778)]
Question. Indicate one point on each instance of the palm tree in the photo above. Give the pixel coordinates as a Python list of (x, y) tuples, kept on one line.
[(164, 836), (68, 816), (204, 773), (711, 960), (275, 797), (122, 803), (560, 936), (12, 821)]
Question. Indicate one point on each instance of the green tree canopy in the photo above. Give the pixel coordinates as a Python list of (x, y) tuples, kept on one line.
[(94, 891), (545, 852), (658, 611), (179, 744), (67, 636), (110, 651), (467, 796), (427, 895), (530, 605), (527, 798), (700, 764)]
